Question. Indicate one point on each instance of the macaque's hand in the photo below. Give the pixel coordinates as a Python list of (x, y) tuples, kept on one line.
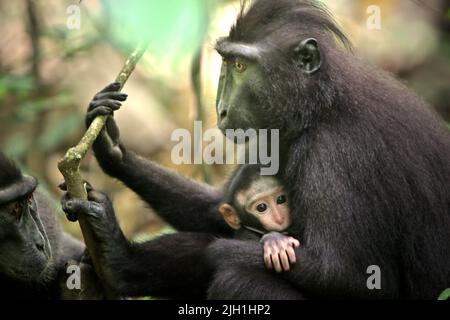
[(279, 251), (105, 103), (97, 206)]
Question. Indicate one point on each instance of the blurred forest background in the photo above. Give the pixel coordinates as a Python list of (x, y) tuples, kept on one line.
[(49, 73)]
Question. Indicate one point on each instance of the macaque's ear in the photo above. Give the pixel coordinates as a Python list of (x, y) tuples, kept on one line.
[(308, 56), (230, 215)]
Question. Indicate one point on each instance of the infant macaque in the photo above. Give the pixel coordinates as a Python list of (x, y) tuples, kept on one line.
[(256, 207)]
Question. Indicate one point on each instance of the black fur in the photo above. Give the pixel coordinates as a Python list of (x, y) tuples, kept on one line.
[(241, 179), (366, 163), (9, 173)]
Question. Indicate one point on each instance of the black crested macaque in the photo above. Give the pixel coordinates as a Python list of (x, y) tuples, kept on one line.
[(366, 164), (33, 248), (256, 207)]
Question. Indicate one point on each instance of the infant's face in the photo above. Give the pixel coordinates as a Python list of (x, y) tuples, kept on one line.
[(266, 200)]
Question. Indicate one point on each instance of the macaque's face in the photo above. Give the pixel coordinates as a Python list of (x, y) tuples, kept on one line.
[(266, 200)]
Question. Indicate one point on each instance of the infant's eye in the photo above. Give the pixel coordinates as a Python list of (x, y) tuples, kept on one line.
[(261, 207), (30, 199), (281, 199)]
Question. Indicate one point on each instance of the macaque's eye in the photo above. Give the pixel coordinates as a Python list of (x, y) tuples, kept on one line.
[(261, 207), (30, 199), (17, 209), (281, 199), (239, 66)]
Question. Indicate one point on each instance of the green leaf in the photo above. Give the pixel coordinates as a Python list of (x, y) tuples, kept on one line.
[(170, 27), (445, 295)]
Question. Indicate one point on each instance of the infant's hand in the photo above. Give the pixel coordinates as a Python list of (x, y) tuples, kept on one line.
[(279, 251)]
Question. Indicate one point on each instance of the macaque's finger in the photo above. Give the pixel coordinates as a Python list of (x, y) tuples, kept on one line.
[(112, 104), (120, 96), (71, 216), (276, 262), (291, 254), (267, 253), (111, 87), (78, 206), (113, 130), (294, 242), (99, 111), (284, 260), (268, 261)]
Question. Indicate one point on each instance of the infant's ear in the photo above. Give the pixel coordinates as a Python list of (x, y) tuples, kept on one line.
[(230, 215)]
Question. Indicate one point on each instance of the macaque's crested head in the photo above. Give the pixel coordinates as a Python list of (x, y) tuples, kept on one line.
[(264, 200)]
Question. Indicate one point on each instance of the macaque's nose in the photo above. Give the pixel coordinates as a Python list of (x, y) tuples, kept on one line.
[(278, 217), (223, 114), (222, 110)]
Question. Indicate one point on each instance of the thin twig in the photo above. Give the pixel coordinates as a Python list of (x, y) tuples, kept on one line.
[(70, 165)]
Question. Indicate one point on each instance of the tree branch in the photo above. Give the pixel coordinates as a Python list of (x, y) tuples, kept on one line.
[(69, 166)]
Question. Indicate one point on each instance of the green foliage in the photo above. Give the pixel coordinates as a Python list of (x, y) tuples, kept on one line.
[(19, 86), (55, 134), (445, 295), (28, 110), (17, 146), (48, 139), (32, 110), (171, 26)]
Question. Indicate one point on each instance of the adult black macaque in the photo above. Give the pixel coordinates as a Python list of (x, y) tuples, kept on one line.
[(366, 163), (33, 248)]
